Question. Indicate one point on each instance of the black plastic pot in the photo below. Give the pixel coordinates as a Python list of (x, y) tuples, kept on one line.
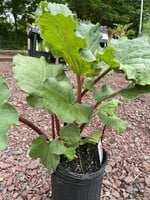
[(67, 185)]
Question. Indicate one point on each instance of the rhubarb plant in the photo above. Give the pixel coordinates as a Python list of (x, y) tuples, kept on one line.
[(8, 114), (48, 86)]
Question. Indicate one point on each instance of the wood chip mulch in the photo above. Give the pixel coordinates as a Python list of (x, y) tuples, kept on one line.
[(127, 174)]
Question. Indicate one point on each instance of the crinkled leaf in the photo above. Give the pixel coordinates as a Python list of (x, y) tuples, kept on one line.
[(70, 153), (101, 95), (93, 138), (49, 88), (53, 8), (8, 114), (133, 91), (104, 93), (41, 149), (134, 56), (139, 72), (107, 113), (91, 33), (70, 134), (109, 57)]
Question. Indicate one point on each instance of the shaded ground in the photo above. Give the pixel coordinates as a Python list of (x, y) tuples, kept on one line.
[(127, 175)]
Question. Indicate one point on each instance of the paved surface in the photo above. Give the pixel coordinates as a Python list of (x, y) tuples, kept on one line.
[(7, 55)]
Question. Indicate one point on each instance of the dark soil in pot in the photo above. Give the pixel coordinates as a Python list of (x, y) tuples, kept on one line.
[(87, 154)]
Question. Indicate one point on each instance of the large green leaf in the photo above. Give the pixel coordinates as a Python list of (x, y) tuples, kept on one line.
[(107, 113), (8, 114), (74, 40), (49, 88), (133, 91), (58, 31), (31, 72), (134, 56), (41, 149), (63, 103)]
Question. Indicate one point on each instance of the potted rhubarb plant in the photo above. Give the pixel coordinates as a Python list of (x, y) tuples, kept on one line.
[(76, 162)]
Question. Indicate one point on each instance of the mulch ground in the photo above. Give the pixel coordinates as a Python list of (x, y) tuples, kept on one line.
[(127, 174)]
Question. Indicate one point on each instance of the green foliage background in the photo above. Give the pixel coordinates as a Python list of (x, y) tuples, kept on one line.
[(10, 39), (105, 12)]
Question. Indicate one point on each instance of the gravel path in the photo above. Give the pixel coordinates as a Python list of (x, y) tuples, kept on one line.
[(127, 174)]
